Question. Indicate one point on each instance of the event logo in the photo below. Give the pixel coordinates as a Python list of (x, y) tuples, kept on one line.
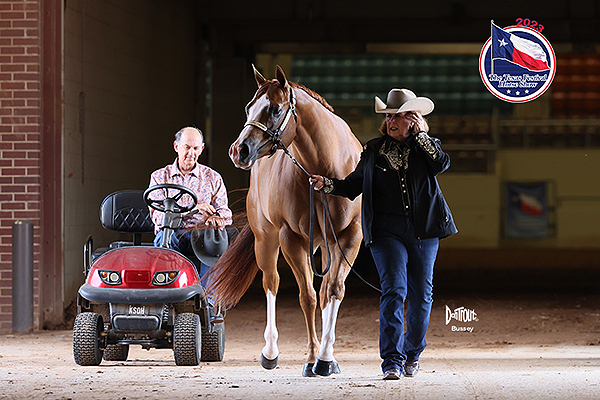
[(517, 64)]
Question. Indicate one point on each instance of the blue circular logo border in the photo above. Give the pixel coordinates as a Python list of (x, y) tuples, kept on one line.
[(521, 99)]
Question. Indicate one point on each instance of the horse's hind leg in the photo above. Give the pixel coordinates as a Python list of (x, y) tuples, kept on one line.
[(326, 364), (267, 252), (332, 294)]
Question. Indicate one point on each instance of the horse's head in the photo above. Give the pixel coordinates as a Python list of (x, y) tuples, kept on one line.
[(268, 116)]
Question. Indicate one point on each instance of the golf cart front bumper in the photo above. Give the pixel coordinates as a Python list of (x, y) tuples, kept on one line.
[(140, 296)]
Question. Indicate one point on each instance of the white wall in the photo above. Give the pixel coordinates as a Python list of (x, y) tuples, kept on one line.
[(474, 200), (477, 200), (575, 173)]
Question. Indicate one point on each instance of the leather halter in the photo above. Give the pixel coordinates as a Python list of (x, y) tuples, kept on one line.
[(276, 134)]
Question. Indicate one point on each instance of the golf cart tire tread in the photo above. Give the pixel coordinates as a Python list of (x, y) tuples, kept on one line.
[(86, 340), (213, 344), (187, 336), (116, 352)]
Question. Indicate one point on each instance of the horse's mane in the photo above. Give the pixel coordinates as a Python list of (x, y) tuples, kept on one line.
[(312, 94), (295, 85)]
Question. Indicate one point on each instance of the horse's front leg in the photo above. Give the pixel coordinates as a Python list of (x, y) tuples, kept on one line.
[(294, 249), (270, 353), (267, 252)]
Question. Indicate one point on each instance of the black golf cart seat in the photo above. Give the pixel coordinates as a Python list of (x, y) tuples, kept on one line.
[(125, 212)]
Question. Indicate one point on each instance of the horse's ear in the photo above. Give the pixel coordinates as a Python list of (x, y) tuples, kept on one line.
[(281, 77), (260, 80)]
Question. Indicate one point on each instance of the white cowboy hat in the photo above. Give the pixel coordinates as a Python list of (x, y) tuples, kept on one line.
[(401, 100)]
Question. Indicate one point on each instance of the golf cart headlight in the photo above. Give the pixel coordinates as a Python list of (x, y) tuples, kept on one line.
[(164, 278), (110, 277)]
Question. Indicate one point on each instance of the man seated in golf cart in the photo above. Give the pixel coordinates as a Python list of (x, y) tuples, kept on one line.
[(206, 183)]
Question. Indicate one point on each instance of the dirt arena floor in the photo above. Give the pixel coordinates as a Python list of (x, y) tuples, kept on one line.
[(526, 345)]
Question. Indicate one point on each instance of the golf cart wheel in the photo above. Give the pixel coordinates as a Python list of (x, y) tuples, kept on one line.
[(187, 339), (116, 352), (86, 338), (213, 344)]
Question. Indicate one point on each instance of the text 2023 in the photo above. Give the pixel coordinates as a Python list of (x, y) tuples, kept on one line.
[(533, 24)]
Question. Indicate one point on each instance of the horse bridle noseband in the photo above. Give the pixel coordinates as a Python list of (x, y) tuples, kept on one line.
[(276, 134)]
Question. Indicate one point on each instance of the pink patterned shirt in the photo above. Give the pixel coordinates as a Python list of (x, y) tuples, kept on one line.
[(204, 181)]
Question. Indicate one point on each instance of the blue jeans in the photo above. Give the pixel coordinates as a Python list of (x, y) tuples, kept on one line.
[(181, 241), (405, 267)]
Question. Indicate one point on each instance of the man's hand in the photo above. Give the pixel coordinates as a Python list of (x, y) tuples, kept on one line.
[(216, 222), (206, 209), (212, 216)]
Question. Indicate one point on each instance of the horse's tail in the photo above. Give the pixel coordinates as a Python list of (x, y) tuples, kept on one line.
[(231, 276)]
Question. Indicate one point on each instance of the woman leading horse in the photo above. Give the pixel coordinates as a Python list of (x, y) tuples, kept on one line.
[(286, 115)]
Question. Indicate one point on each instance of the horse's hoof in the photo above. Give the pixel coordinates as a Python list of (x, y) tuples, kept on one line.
[(335, 368), (268, 364), (308, 370), (326, 368)]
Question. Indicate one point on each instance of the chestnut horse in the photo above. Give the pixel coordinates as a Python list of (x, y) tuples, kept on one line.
[(287, 115)]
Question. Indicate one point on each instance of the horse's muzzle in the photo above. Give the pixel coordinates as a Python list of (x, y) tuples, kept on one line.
[(241, 155)]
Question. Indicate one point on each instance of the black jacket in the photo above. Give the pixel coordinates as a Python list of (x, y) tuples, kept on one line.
[(431, 214)]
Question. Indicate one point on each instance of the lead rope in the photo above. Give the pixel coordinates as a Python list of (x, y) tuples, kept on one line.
[(311, 226), (311, 232)]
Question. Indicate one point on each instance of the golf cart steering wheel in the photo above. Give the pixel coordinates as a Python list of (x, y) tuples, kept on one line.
[(159, 205)]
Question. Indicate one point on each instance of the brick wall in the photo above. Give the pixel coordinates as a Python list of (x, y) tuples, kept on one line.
[(20, 111)]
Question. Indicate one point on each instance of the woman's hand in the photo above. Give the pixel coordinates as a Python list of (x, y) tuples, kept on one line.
[(317, 180), (418, 123)]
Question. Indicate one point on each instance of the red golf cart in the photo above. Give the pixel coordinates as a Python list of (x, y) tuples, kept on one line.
[(139, 294)]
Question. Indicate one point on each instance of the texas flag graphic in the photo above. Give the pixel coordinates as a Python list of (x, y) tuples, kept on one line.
[(526, 53)]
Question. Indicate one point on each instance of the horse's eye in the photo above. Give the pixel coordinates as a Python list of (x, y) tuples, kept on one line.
[(275, 110)]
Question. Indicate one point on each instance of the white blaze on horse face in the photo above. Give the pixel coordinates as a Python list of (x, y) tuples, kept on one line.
[(271, 351), (329, 316), (245, 150)]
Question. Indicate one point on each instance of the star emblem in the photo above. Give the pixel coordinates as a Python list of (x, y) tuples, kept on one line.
[(502, 42), (508, 91), (526, 91), (518, 93)]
